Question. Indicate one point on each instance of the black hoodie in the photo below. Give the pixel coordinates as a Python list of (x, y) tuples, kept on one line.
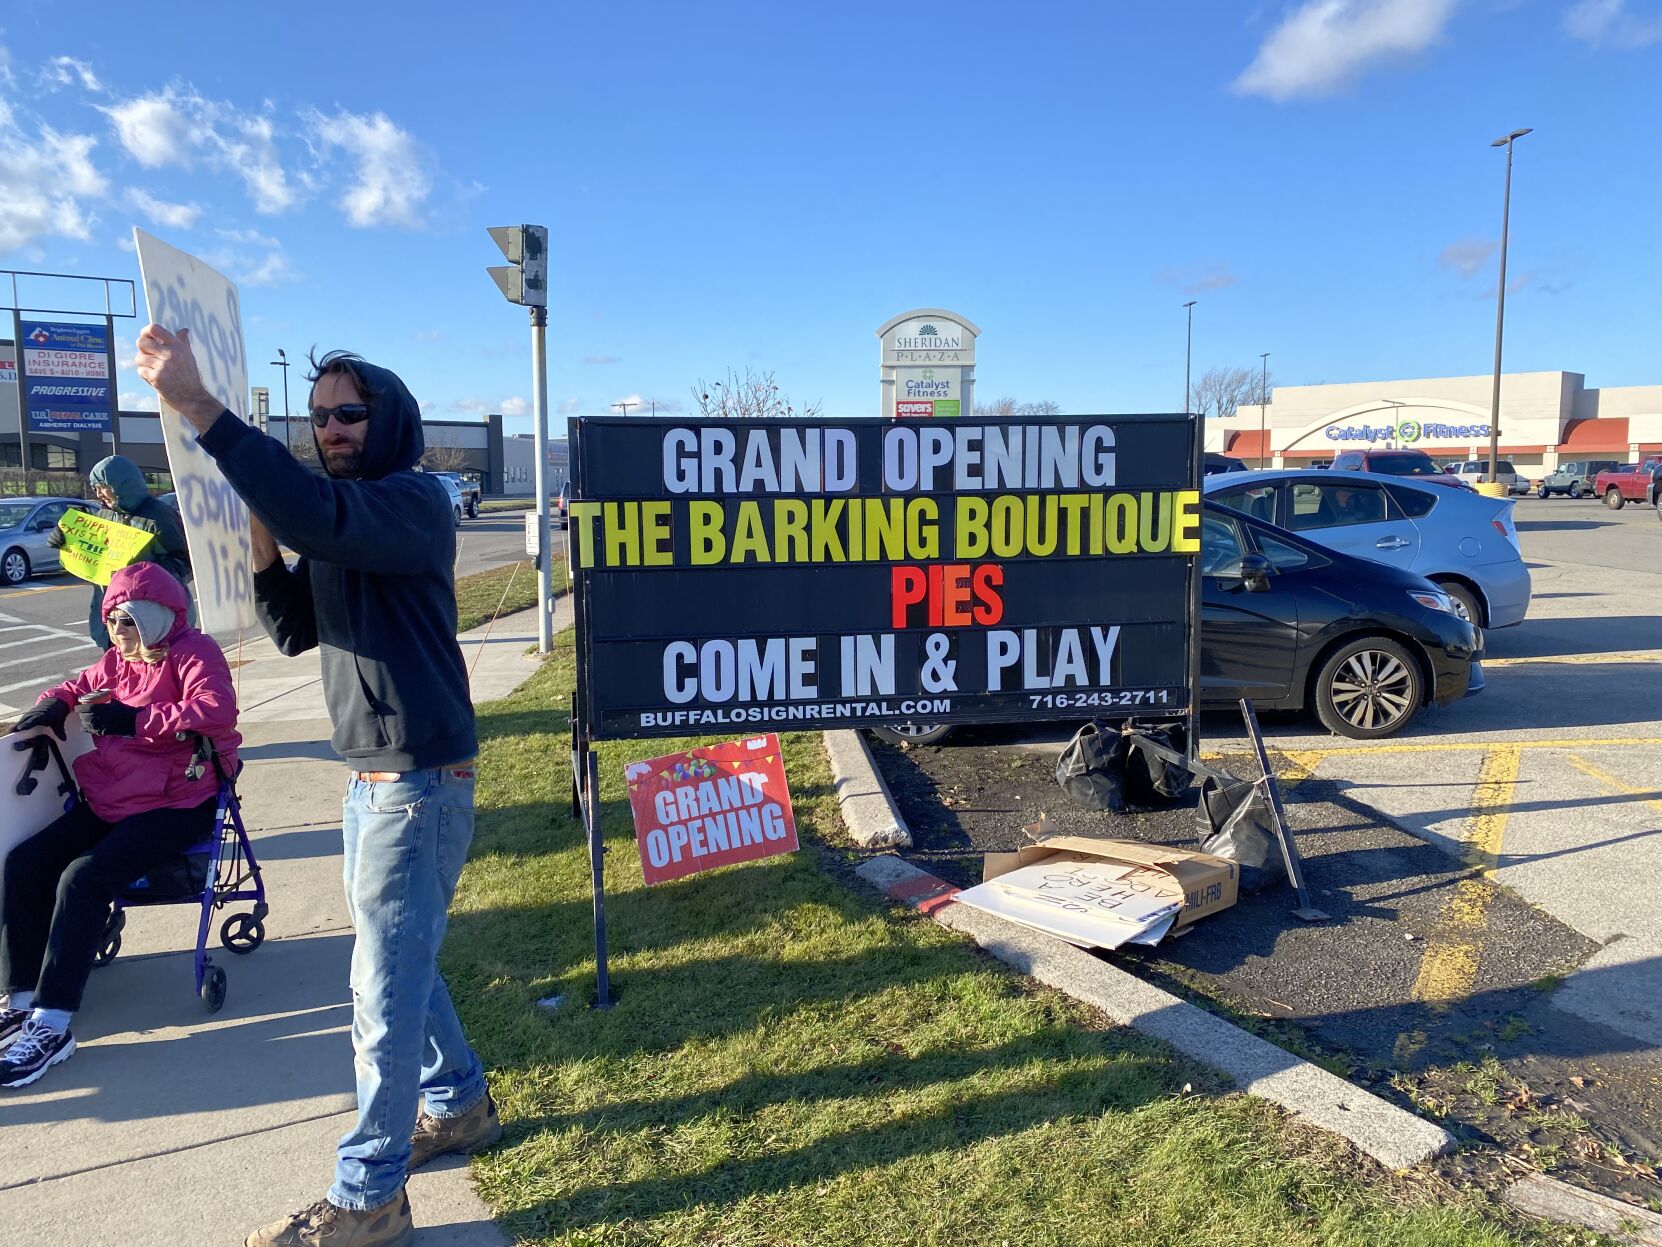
[(374, 586)]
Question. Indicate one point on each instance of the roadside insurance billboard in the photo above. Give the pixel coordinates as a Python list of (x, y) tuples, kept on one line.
[(797, 574)]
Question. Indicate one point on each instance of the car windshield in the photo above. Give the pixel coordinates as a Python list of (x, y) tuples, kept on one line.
[(13, 514), (1402, 464)]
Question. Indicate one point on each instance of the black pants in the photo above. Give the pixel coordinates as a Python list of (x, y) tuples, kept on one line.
[(58, 884)]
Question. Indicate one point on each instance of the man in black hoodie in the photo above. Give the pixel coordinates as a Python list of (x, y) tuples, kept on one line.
[(374, 590)]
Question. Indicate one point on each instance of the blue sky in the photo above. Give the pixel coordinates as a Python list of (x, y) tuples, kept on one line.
[(740, 185)]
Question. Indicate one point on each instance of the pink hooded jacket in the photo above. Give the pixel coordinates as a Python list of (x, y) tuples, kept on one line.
[(190, 690)]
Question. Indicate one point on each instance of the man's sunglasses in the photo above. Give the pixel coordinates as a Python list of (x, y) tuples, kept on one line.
[(346, 413)]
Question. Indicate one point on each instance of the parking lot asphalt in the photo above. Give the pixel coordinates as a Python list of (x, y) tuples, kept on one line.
[(1495, 951)]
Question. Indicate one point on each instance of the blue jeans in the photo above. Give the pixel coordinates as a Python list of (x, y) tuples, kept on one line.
[(405, 844)]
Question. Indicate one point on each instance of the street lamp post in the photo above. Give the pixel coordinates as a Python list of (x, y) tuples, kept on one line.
[(282, 361), (1500, 301), (1188, 351), (1263, 412)]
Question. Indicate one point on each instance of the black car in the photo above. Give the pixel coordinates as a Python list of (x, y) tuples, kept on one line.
[(1214, 463), (1296, 626)]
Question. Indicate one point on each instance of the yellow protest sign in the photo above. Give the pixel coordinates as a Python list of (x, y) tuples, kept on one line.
[(94, 548)]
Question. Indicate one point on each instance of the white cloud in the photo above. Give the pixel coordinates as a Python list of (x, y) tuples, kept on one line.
[(390, 176), (179, 128), (470, 406), (45, 177), (137, 400), (570, 406), (1601, 22), (1198, 278), (252, 259), (1467, 256), (66, 71), (1327, 45), (515, 407), (161, 212)]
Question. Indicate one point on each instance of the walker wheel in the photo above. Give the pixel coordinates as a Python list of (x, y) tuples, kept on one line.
[(242, 933), (213, 989), (111, 943)]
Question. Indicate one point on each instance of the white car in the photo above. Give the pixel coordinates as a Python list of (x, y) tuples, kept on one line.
[(455, 492), (1476, 471), (1466, 543)]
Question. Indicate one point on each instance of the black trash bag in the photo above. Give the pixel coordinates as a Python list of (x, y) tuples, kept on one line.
[(1149, 778), (1236, 822), (1091, 769)]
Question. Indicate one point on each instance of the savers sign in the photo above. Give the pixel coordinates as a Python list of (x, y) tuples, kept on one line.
[(817, 573)]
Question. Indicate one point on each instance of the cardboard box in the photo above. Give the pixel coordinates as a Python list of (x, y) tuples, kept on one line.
[(1208, 884)]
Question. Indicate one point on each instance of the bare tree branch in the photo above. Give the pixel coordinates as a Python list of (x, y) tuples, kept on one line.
[(755, 394), (1010, 407), (444, 455), (1220, 391)]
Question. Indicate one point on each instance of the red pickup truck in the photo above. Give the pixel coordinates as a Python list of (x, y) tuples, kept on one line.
[(1630, 482)]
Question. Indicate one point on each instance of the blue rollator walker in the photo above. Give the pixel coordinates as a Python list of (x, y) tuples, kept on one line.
[(212, 875)]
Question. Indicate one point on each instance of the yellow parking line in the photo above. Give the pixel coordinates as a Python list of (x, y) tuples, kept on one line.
[(1578, 659), (1462, 746), (1449, 967), (1610, 781), (23, 593)]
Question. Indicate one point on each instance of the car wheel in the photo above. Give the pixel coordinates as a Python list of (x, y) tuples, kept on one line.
[(1544, 492), (472, 510), (1467, 604), (1613, 499), (14, 566), (1575, 489), (458, 510), (913, 733), (1368, 689)]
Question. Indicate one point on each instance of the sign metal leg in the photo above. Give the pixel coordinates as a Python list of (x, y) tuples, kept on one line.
[(1278, 814)]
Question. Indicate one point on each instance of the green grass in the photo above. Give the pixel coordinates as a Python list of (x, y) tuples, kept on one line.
[(480, 597), (507, 504), (792, 1061)]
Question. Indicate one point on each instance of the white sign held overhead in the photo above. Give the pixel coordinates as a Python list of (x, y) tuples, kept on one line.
[(184, 293)]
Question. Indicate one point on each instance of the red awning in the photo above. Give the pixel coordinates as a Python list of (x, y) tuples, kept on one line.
[(1248, 444), (1595, 437)]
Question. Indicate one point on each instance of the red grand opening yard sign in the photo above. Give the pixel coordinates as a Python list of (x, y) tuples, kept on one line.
[(715, 805)]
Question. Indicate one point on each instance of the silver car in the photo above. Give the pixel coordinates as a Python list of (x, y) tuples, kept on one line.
[(25, 524), (1476, 471), (1465, 542)]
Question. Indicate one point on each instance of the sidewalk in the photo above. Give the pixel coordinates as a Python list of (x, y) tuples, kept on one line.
[(171, 1125)]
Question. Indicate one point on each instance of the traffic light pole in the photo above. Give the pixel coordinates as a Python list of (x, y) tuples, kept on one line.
[(545, 551)]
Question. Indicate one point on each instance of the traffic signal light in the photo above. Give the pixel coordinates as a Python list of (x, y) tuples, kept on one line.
[(524, 279)]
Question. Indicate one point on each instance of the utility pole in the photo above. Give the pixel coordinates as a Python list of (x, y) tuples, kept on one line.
[(1263, 412), (1500, 304), (1188, 351), (524, 280), (624, 407)]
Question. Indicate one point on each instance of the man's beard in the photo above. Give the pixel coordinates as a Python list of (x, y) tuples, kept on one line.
[(342, 460)]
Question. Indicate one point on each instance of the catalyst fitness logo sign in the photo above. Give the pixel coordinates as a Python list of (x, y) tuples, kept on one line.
[(1406, 432)]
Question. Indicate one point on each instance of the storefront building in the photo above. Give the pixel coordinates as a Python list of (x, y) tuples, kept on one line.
[(1546, 418)]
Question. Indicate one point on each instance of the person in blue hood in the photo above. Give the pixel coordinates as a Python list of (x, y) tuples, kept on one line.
[(373, 589), (125, 499)]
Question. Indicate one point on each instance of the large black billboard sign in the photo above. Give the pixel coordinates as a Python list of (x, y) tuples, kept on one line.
[(793, 574)]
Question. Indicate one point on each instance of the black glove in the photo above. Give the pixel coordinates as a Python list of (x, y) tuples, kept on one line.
[(51, 713), (56, 539), (109, 718)]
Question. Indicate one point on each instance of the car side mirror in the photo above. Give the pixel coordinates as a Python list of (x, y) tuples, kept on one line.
[(1255, 573)]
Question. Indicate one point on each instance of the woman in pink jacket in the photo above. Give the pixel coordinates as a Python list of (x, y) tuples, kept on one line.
[(138, 807)]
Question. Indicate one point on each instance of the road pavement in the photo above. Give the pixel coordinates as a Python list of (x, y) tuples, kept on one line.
[(43, 622)]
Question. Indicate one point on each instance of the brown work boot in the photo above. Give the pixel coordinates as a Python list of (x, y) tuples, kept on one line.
[(324, 1225), (473, 1131)]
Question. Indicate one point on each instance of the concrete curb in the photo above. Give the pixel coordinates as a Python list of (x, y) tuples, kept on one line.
[(1553, 1200), (869, 810), (1391, 1135)]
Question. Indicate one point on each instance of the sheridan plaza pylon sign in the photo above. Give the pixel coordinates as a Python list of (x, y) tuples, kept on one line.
[(768, 574)]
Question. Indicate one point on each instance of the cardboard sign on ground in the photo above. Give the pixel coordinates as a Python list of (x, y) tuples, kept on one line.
[(94, 549), (712, 806), (1103, 893)]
